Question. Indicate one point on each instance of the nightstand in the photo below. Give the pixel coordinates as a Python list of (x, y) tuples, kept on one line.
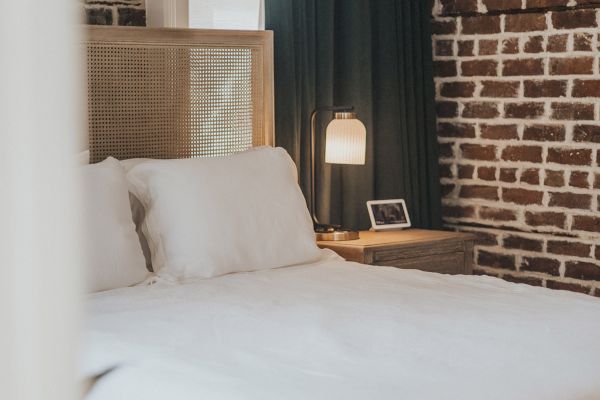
[(427, 250)]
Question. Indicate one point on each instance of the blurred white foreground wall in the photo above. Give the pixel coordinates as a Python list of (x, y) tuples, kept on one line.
[(39, 283)]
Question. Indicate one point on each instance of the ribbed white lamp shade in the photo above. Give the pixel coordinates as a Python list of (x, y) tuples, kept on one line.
[(345, 140)]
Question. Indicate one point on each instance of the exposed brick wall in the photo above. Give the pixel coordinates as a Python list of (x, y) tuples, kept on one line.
[(518, 104), (114, 12)]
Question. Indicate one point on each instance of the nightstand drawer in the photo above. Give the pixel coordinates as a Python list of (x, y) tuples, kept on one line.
[(449, 263), (395, 253)]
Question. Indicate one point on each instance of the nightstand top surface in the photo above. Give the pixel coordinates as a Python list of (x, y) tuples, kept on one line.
[(384, 238)]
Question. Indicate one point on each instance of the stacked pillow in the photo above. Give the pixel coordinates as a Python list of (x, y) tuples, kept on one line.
[(202, 217), (113, 254), (212, 216)]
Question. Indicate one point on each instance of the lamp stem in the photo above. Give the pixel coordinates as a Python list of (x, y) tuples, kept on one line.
[(313, 129)]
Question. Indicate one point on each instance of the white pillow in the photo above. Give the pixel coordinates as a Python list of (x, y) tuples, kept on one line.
[(114, 256), (212, 216), (138, 212)]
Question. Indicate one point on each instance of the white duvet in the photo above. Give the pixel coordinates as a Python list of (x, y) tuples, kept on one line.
[(340, 330)]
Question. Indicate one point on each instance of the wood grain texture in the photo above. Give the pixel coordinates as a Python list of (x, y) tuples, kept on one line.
[(433, 251)]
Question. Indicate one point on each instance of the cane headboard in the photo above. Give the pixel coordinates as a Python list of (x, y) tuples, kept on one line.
[(178, 93)]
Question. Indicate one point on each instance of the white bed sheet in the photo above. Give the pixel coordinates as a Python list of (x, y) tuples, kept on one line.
[(341, 330)]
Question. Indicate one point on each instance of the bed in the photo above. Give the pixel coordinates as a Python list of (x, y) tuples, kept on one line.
[(324, 329)]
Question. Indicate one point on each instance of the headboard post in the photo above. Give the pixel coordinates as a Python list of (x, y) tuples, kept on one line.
[(178, 93)]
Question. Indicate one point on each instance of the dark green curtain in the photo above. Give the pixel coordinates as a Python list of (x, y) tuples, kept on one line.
[(376, 56)]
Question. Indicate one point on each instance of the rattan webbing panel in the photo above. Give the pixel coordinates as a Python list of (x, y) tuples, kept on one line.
[(174, 93)]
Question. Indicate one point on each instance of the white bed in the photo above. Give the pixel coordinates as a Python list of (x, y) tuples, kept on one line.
[(326, 330), (341, 330)]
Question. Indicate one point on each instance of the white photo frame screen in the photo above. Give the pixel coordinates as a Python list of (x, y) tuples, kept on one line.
[(388, 214)]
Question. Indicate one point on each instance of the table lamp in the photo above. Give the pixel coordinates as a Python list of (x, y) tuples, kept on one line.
[(345, 143)]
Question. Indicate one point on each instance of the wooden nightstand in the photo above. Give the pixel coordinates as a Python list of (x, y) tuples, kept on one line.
[(433, 251)]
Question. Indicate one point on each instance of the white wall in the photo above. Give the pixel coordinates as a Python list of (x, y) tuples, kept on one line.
[(206, 14), (39, 285)]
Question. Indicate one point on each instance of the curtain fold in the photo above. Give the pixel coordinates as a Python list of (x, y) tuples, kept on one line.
[(375, 55)]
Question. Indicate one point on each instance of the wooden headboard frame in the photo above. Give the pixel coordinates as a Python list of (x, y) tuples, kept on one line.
[(178, 93)]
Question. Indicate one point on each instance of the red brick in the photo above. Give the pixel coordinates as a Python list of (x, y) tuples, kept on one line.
[(483, 238), (522, 243), (570, 200), (486, 173), (500, 88), (586, 133), (527, 280), (495, 260), (446, 109), (98, 16), (523, 67), (571, 66), (573, 19), (466, 171), (478, 152), (571, 287), (499, 5), (573, 111), (540, 264), (525, 22), (488, 47), (508, 175), (465, 48), (522, 196), (586, 223), (456, 130), (455, 211), (583, 2), (545, 218), (587, 88), (544, 133), (582, 41), (531, 176), (484, 110), (457, 89), (523, 110), (479, 68), (579, 179), (582, 270), (445, 170), (458, 6), (522, 153), (481, 25), (598, 253), (444, 47), (447, 189), (557, 43), (569, 248), (535, 44), (497, 214), (569, 156), (510, 46), (444, 68), (479, 192), (443, 27), (545, 3), (554, 178), (505, 132), (597, 184), (546, 88), (445, 150)]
